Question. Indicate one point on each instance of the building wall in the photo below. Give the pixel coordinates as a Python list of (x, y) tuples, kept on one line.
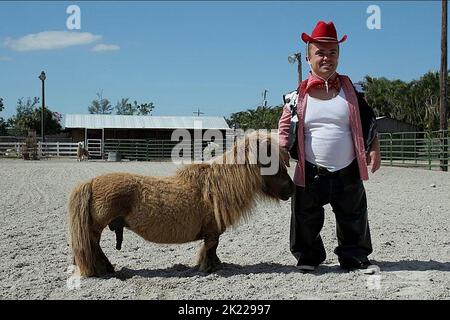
[(388, 125), (77, 134), (147, 134), (150, 134)]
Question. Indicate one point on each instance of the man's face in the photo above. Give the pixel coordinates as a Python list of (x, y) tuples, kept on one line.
[(323, 57)]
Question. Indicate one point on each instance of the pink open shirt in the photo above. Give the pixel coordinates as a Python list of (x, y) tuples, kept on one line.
[(355, 126)]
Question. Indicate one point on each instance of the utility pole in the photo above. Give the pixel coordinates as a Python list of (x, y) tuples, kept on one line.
[(264, 103), (297, 57), (198, 113), (443, 108)]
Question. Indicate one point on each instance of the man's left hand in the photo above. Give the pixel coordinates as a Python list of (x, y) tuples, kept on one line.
[(374, 159)]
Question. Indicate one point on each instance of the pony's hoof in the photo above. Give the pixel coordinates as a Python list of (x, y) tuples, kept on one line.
[(210, 268), (110, 269)]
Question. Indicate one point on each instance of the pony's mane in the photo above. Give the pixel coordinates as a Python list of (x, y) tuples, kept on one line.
[(230, 183), (245, 149)]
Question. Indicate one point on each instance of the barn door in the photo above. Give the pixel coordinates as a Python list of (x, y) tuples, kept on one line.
[(94, 142), (94, 147)]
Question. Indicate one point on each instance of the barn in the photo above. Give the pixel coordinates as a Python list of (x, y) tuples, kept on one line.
[(386, 124), (390, 125), (139, 137)]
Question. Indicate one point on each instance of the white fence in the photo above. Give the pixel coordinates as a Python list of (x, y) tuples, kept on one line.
[(134, 149), (49, 149)]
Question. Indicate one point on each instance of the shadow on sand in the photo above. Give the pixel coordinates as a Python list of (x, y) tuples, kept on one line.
[(230, 270)]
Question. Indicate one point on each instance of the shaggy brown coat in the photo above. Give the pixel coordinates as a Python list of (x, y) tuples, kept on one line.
[(199, 202)]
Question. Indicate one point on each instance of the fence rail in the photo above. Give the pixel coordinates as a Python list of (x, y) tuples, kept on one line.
[(412, 149), (415, 149), (131, 149), (49, 149), (139, 149)]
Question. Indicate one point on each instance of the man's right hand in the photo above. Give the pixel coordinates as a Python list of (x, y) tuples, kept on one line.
[(284, 156)]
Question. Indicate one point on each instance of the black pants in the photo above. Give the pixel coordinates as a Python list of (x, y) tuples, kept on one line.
[(344, 191)]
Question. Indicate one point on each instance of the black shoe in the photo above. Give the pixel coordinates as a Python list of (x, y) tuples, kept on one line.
[(306, 266), (356, 264)]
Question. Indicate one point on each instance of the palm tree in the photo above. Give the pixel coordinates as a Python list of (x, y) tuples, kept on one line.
[(123, 107), (100, 105)]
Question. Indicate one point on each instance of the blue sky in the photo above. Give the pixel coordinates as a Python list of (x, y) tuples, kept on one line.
[(216, 56)]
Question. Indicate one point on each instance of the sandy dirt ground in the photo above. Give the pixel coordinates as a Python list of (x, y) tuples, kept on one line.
[(409, 213)]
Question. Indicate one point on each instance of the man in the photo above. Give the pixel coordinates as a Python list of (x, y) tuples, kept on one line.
[(336, 140)]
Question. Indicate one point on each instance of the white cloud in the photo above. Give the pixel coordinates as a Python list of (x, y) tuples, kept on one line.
[(105, 47), (49, 40), (4, 58)]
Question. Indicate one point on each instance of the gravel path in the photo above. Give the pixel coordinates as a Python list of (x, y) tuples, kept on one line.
[(409, 218)]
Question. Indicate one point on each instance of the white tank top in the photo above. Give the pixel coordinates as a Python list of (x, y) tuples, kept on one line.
[(328, 137)]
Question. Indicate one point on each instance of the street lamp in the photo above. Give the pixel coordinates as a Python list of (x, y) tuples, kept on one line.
[(42, 77), (292, 59)]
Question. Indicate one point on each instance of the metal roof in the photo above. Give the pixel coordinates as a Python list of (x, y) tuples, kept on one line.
[(106, 121)]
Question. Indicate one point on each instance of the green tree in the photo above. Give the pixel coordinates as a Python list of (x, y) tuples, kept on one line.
[(24, 118), (28, 116), (416, 102), (424, 97), (3, 124), (260, 118), (144, 109), (123, 107), (100, 105)]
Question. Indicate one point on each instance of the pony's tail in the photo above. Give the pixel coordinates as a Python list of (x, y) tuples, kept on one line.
[(80, 229)]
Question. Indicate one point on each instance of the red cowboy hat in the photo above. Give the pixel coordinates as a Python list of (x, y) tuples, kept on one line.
[(323, 32)]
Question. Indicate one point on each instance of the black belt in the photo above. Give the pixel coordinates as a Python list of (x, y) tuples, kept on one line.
[(322, 171)]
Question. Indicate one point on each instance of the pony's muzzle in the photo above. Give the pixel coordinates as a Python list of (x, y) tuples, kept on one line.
[(287, 191)]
